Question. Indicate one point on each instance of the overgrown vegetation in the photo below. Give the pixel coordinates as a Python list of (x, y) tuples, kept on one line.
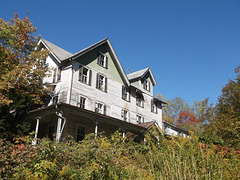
[(115, 158)]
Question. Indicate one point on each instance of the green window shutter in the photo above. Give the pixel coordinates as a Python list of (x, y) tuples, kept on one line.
[(106, 65), (80, 73), (97, 81), (90, 77), (105, 84)]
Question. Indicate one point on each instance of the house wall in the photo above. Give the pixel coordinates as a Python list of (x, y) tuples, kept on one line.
[(69, 88), (113, 97)]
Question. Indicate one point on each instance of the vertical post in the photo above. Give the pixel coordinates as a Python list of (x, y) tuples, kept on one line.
[(124, 131), (34, 142), (59, 125), (96, 128)]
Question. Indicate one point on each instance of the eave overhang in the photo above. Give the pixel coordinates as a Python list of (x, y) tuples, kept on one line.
[(69, 109)]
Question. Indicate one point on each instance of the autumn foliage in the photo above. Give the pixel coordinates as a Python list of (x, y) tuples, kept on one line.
[(21, 71), (187, 120)]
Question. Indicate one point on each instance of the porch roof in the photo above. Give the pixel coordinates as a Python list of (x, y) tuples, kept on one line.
[(70, 109)]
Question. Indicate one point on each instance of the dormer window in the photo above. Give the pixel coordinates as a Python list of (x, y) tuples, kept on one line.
[(102, 60), (146, 84), (85, 75)]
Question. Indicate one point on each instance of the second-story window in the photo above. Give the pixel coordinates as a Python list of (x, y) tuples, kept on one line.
[(101, 82), (125, 115), (139, 100), (82, 101), (57, 74), (85, 75), (102, 60), (100, 108), (139, 119), (125, 93), (146, 84), (154, 106)]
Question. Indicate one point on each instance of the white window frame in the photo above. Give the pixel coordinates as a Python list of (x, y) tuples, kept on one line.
[(125, 116), (139, 119), (57, 71), (154, 107), (100, 108), (139, 100), (80, 103), (102, 60), (146, 84), (85, 78), (126, 93), (101, 82)]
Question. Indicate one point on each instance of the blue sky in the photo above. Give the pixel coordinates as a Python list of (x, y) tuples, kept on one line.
[(191, 46)]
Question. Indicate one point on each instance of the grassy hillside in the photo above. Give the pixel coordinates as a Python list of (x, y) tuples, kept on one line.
[(111, 158)]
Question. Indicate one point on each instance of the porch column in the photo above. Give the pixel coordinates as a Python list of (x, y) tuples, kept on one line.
[(59, 124), (96, 128), (34, 142), (124, 131)]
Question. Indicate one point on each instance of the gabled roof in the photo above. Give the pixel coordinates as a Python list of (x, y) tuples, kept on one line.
[(115, 58), (141, 74), (59, 53)]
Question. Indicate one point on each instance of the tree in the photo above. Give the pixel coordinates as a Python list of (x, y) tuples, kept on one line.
[(226, 123), (173, 108), (179, 108), (188, 120), (21, 72)]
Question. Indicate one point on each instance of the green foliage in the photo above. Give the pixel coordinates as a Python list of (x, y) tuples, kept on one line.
[(21, 72), (202, 110), (226, 123), (118, 158)]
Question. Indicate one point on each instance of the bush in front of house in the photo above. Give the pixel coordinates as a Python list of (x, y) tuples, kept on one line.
[(117, 158)]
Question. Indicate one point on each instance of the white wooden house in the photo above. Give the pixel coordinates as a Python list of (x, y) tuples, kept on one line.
[(92, 93)]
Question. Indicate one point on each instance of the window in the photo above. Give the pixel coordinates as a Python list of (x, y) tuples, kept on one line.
[(80, 133), (139, 119), (57, 74), (102, 60), (101, 82), (82, 102), (125, 93), (100, 108), (125, 115), (85, 75), (139, 100), (154, 106), (146, 84)]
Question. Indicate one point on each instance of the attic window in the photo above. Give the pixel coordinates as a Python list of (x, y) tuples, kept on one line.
[(102, 60), (146, 84)]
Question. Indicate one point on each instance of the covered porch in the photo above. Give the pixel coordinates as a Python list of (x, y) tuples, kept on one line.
[(61, 120)]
